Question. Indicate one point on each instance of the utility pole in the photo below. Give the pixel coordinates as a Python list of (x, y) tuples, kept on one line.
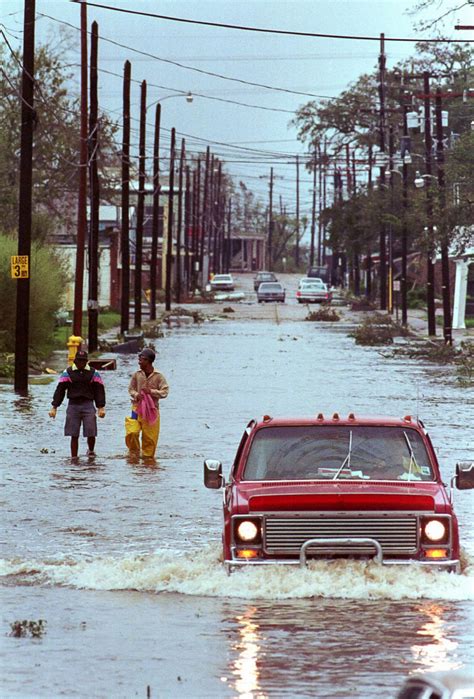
[(321, 232), (324, 193), (169, 237), (210, 215), (391, 149), (313, 217), (348, 171), (156, 212), (297, 246), (198, 225), (205, 213), (429, 207), (368, 285), (382, 241), (125, 204), (270, 224), (403, 278), (337, 255), (28, 117), (357, 247), (228, 254), (179, 223), (93, 303), (187, 227), (195, 225), (214, 211), (82, 192), (354, 172), (444, 233), (140, 209), (217, 217), (357, 250)]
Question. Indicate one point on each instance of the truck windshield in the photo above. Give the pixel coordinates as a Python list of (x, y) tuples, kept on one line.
[(316, 452)]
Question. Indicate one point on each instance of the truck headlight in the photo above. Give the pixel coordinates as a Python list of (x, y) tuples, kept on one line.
[(435, 530), (247, 530)]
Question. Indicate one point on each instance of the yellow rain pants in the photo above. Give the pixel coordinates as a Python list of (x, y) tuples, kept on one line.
[(150, 434)]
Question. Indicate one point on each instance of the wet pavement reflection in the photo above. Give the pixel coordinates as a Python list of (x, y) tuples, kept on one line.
[(78, 538)]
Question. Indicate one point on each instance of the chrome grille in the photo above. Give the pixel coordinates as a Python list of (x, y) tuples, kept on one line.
[(286, 535)]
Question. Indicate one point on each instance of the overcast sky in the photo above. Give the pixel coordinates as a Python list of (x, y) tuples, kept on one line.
[(315, 66)]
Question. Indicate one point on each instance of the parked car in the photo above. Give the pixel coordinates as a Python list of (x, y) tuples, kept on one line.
[(450, 684), (263, 277), (334, 487), (313, 292), (305, 280), (222, 282), (271, 291)]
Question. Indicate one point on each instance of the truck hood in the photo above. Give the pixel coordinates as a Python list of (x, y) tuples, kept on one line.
[(337, 496)]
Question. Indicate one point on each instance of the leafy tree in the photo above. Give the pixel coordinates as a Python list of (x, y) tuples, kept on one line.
[(248, 212), (284, 242), (48, 277), (56, 137), (354, 224)]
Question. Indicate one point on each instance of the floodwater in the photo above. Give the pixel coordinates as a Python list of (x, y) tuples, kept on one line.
[(122, 559)]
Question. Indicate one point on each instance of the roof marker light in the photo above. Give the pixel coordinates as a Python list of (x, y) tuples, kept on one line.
[(320, 416), (267, 418), (351, 416), (335, 416), (407, 418)]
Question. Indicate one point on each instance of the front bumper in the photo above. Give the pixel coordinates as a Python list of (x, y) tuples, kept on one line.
[(453, 565)]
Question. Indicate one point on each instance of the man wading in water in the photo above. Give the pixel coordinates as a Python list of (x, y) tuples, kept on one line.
[(84, 387), (146, 388)]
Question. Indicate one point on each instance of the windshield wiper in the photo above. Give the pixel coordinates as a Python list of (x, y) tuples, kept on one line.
[(347, 460), (412, 456)]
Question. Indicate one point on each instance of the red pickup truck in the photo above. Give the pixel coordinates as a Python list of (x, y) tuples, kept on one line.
[(331, 487)]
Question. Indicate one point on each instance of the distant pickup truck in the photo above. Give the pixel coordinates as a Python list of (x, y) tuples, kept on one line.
[(331, 487)]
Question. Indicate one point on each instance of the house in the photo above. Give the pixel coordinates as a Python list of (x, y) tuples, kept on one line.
[(463, 287)]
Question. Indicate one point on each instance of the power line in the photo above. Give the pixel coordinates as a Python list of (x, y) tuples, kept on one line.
[(263, 30), (198, 94), (192, 68)]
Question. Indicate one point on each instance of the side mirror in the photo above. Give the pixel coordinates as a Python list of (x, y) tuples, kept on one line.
[(465, 475), (213, 474)]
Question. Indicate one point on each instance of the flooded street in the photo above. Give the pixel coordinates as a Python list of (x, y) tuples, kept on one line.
[(122, 559)]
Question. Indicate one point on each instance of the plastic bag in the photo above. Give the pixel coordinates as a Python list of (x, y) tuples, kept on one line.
[(146, 408)]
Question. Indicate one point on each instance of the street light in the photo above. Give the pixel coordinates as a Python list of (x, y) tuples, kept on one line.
[(419, 180), (189, 97)]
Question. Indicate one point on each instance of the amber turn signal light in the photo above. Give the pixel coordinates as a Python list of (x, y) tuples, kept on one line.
[(247, 553), (436, 553)]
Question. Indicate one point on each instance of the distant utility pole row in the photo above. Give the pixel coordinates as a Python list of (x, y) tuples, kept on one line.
[(197, 240), (343, 166)]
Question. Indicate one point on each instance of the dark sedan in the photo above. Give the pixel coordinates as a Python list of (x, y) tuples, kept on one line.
[(271, 291), (263, 277)]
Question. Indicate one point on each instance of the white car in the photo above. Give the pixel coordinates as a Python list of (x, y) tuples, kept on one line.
[(313, 291), (222, 282), (308, 280)]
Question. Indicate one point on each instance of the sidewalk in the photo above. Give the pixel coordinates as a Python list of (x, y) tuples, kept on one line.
[(417, 320)]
